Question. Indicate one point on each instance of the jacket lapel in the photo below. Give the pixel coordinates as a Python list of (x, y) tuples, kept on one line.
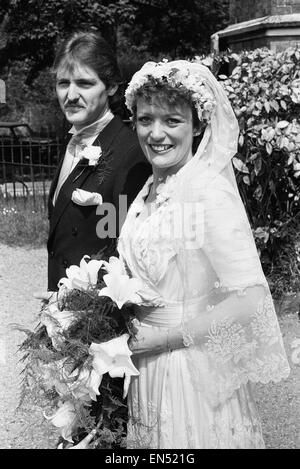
[(55, 180), (81, 171), (74, 180)]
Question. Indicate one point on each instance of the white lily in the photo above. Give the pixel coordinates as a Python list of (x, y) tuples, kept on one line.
[(56, 322), (87, 382), (65, 419), (113, 357), (121, 289), (81, 384), (82, 277), (119, 286), (114, 266)]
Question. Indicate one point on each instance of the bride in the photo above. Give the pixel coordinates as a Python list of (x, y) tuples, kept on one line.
[(207, 328)]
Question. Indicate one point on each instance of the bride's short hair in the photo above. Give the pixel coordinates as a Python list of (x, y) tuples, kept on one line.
[(165, 94)]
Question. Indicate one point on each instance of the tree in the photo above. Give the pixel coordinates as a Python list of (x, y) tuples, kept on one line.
[(175, 27), (34, 27)]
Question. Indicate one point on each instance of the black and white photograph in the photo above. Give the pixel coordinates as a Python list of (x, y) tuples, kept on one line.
[(149, 227)]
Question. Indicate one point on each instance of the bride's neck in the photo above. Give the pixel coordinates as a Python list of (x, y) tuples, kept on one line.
[(160, 176)]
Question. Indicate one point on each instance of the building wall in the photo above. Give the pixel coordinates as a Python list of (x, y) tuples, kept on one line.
[(273, 43), (285, 7), (249, 9), (244, 10)]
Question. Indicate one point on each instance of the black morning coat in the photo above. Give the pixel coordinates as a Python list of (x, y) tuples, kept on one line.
[(122, 169)]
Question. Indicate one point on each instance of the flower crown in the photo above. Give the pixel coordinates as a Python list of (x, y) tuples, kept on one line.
[(178, 74)]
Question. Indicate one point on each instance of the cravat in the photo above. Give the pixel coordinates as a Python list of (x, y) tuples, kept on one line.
[(77, 143)]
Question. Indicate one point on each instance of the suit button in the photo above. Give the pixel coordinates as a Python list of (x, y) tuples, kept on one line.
[(65, 264), (74, 231), (51, 254)]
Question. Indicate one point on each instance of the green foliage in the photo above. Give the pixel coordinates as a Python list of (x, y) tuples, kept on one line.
[(35, 27), (23, 222), (264, 90), (176, 28), (36, 103)]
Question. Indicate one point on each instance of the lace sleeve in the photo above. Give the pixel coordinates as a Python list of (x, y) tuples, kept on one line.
[(235, 341)]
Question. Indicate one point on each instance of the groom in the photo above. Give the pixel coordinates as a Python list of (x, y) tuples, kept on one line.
[(102, 160)]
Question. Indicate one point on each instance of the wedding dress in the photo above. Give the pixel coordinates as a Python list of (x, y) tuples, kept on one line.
[(200, 270), (199, 396)]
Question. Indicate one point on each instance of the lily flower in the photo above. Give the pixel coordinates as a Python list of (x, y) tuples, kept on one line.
[(56, 322), (65, 419), (113, 357), (82, 384), (119, 286), (86, 385), (114, 266), (82, 277)]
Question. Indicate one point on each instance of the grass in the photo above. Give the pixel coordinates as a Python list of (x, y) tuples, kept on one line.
[(23, 222)]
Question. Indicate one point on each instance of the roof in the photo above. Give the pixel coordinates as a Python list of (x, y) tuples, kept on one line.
[(273, 21)]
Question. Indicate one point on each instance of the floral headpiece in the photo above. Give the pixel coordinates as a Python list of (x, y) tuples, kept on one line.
[(178, 74)]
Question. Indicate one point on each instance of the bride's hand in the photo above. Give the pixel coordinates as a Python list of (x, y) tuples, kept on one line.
[(148, 341)]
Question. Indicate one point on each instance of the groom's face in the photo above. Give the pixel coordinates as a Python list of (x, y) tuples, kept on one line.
[(82, 95)]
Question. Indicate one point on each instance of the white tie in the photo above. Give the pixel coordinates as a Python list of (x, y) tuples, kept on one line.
[(69, 163)]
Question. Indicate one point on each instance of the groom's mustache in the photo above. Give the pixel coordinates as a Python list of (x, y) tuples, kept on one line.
[(67, 106)]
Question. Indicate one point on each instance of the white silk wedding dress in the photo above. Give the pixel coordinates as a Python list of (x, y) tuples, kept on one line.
[(199, 396)]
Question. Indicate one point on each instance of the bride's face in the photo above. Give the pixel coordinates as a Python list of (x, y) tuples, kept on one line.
[(165, 133)]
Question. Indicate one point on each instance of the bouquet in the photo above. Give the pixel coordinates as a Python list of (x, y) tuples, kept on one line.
[(78, 354)]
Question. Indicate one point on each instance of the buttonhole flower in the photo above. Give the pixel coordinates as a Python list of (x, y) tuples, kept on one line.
[(92, 153)]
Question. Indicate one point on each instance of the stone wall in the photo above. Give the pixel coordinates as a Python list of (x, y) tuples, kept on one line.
[(244, 10), (285, 7), (249, 9)]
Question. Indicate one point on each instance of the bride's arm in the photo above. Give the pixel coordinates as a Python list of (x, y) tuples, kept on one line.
[(228, 244), (237, 308)]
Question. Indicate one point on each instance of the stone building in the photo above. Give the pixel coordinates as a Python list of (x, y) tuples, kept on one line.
[(260, 23)]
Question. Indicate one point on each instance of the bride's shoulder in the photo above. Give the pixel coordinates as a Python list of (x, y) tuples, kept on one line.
[(219, 188)]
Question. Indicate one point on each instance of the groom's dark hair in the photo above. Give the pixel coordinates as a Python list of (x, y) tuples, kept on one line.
[(90, 49)]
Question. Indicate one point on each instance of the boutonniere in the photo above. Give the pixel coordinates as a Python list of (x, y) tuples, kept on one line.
[(92, 153)]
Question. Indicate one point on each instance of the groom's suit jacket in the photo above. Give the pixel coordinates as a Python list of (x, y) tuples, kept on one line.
[(122, 169)]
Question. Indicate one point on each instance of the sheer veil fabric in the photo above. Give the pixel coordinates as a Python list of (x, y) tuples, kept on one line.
[(197, 258), (238, 335)]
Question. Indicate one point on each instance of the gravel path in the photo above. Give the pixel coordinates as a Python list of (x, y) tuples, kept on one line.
[(24, 271), (21, 273)]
